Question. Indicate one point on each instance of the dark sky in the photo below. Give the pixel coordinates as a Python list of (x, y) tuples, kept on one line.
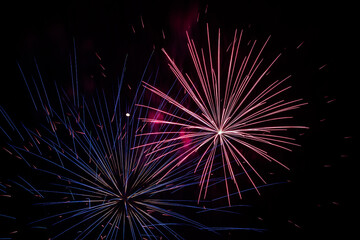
[(315, 202)]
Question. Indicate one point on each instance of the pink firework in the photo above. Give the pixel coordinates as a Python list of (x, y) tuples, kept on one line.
[(230, 111)]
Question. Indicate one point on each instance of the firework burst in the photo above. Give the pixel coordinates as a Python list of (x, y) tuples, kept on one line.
[(231, 110), (106, 189)]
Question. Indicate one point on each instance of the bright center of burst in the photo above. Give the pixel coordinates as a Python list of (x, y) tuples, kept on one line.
[(220, 132)]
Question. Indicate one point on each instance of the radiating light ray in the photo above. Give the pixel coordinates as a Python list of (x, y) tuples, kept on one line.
[(238, 107)]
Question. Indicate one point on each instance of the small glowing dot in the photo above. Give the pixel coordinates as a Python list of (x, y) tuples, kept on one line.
[(127, 114)]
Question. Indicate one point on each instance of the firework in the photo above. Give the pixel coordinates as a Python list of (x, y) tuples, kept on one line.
[(233, 109), (104, 187)]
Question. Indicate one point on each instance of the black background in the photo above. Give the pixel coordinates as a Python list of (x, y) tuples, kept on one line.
[(315, 202)]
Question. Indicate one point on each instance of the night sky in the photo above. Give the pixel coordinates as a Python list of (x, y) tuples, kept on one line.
[(314, 201)]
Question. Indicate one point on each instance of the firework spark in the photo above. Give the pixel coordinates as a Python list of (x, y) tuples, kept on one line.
[(231, 110)]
